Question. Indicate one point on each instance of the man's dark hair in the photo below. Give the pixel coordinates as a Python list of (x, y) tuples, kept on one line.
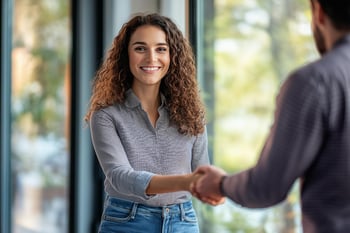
[(338, 11)]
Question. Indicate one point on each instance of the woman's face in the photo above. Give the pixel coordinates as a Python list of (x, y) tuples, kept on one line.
[(149, 56)]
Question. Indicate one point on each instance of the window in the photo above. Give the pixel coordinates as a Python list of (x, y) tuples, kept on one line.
[(245, 49), (40, 115)]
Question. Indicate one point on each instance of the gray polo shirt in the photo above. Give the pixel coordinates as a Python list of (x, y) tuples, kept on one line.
[(130, 151)]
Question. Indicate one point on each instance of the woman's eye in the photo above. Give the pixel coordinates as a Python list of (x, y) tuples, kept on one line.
[(162, 49), (140, 49)]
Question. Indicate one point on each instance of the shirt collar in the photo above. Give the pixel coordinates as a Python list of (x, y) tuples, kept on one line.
[(132, 101), (344, 39)]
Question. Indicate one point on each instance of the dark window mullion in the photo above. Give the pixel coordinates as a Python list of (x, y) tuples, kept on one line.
[(5, 116), (86, 188)]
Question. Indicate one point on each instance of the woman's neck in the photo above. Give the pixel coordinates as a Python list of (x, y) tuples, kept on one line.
[(150, 101)]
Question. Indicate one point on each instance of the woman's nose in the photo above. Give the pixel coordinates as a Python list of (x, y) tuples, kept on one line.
[(152, 55)]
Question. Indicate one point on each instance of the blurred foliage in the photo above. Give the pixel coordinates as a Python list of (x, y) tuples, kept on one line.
[(257, 43), (40, 39), (39, 104)]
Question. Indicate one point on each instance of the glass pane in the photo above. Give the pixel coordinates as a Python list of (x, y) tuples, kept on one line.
[(249, 47), (40, 115)]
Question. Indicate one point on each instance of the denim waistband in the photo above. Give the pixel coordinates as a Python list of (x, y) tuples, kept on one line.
[(163, 210)]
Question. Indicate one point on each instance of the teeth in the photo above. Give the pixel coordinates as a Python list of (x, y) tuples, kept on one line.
[(150, 68)]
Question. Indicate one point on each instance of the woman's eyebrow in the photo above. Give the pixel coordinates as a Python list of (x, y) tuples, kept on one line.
[(143, 43)]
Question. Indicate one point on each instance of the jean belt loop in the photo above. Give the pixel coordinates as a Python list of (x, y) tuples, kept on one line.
[(182, 209), (133, 210)]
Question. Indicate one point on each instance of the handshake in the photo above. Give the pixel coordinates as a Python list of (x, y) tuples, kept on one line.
[(205, 184)]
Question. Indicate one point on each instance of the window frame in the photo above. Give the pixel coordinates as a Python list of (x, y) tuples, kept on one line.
[(5, 116)]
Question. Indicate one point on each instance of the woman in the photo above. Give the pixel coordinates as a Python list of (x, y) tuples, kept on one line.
[(148, 128)]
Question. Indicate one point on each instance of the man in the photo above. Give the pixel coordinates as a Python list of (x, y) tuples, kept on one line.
[(309, 139)]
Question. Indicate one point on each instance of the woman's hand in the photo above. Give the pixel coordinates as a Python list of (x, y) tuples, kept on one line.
[(207, 187)]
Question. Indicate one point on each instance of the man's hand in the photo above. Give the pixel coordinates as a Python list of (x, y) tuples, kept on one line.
[(207, 187)]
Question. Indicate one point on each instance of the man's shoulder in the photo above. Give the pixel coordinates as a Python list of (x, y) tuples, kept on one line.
[(306, 71), (336, 58)]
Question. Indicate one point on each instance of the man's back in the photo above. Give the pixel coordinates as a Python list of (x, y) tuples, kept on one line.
[(326, 183)]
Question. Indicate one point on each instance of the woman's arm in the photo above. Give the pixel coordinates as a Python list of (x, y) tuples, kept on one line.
[(170, 183)]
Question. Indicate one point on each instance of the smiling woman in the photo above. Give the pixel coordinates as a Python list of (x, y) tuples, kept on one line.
[(149, 60), (149, 130)]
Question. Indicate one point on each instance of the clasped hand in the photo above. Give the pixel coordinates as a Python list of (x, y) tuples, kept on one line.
[(206, 186)]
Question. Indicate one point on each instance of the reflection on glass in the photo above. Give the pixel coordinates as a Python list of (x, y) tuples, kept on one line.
[(251, 47), (40, 98)]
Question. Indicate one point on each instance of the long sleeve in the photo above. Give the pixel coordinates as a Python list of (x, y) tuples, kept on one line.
[(113, 159)]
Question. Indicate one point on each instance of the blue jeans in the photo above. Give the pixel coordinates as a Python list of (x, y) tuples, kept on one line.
[(121, 216)]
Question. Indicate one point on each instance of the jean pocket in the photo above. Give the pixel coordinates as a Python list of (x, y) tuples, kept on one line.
[(118, 213), (190, 216)]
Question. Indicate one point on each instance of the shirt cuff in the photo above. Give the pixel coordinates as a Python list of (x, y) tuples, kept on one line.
[(221, 186), (141, 183)]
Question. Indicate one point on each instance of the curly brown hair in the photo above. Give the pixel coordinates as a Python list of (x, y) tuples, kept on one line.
[(179, 86)]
